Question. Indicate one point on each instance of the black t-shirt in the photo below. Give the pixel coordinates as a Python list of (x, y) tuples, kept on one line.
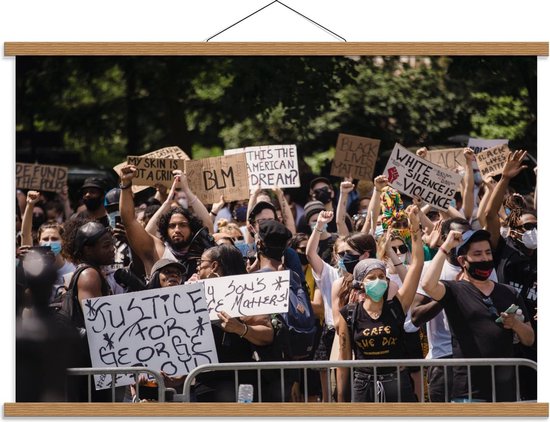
[(475, 334), (517, 269), (381, 338)]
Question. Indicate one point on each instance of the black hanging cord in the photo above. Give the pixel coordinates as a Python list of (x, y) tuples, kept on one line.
[(282, 4)]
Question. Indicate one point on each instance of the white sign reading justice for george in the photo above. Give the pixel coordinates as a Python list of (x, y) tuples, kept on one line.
[(414, 176), (164, 329), (248, 294)]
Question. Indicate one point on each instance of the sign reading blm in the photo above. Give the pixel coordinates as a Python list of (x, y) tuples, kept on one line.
[(248, 294), (153, 171), (164, 329), (355, 157), (210, 178), (40, 177), (271, 166), (414, 176)]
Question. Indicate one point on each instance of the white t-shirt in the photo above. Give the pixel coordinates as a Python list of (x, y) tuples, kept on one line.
[(329, 275)]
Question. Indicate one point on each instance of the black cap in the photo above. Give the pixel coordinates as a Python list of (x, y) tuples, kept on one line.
[(275, 237), (472, 236), (258, 208), (319, 179), (88, 234), (162, 263), (94, 182)]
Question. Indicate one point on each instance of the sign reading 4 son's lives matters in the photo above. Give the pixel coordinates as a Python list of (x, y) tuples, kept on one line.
[(154, 171), (271, 166), (355, 157), (414, 176), (248, 294), (164, 329), (40, 177), (210, 178)]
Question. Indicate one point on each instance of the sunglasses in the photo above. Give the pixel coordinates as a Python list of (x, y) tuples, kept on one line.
[(529, 226), (320, 190), (401, 249), (487, 301), (342, 254)]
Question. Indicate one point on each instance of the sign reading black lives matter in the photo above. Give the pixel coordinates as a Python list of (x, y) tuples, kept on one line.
[(164, 329), (492, 160), (248, 294), (414, 176), (355, 157), (41, 177), (153, 171), (271, 165)]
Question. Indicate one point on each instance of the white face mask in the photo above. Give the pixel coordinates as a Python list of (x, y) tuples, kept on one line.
[(403, 258), (529, 239), (504, 232)]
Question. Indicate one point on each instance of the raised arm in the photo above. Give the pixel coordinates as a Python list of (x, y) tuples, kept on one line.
[(430, 282), (511, 169), (407, 291), (392, 256), (288, 218), (317, 264), (424, 309), (426, 223), (345, 188), (193, 202), (468, 196), (64, 196), (152, 224), (141, 242), (380, 182), (490, 184), (26, 223)]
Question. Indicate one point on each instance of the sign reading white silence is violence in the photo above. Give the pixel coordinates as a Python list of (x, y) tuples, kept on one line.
[(271, 166), (164, 329), (414, 176), (248, 294)]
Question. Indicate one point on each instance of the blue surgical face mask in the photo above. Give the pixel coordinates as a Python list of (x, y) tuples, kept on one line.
[(375, 289), (341, 265), (379, 231), (55, 246), (452, 203), (477, 178)]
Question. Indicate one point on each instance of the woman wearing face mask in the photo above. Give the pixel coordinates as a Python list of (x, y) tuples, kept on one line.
[(373, 328), (49, 234)]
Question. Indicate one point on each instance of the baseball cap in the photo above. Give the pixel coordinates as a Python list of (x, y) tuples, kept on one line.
[(470, 236), (163, 263), (93, 182), (317, 180), (258, 208), (275, 237)]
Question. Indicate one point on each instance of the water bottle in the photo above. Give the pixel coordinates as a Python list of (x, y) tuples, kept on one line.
[(520, 317), (246, 393)]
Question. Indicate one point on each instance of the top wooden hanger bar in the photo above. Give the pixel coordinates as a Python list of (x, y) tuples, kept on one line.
[(275, 48)]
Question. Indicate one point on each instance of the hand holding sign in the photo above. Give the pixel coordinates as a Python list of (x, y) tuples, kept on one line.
[(513, 165), (232, 325), (414, 221), (422, 152), (127, 174), (469, 155)]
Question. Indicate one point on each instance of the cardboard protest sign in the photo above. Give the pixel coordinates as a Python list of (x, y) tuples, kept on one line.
[(355, 157), (153, 171), (211, 177), (164, 329), (479, 145), (450, 158), (414, 176), (271, 165), (248, 294), (167, 152), (491, 161), (40, 177)]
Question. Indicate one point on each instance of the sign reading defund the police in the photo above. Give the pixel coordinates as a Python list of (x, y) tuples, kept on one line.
[(355, 157), (164, 329), (271, 166), (210, 178), (153, 171), (414, 176), (248, 294), (40, 177)]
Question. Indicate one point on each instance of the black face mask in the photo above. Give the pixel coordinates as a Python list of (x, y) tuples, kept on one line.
[(480, 270), (303, 258), (322, 195), (350, 261), (93, 204)]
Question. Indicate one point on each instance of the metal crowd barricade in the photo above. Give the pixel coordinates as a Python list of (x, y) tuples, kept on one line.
[(136, 370), (352, 364)]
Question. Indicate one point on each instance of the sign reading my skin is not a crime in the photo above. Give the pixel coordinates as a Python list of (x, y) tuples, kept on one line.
[(153, 171), (165, 329), (355, 157), (414, 176), (271, 166)]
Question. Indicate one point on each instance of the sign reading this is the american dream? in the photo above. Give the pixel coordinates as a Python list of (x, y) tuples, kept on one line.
[(248, 294), (492, 160), (414, 176), (153, 171), (355, 157), (165, 329), (41, 177), (271, 165), (210, 178), (450, 158)]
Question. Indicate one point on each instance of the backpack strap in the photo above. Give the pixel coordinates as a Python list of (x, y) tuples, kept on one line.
[(351, 319)]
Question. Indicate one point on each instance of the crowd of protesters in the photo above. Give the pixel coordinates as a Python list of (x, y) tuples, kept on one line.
[(388, 277)]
